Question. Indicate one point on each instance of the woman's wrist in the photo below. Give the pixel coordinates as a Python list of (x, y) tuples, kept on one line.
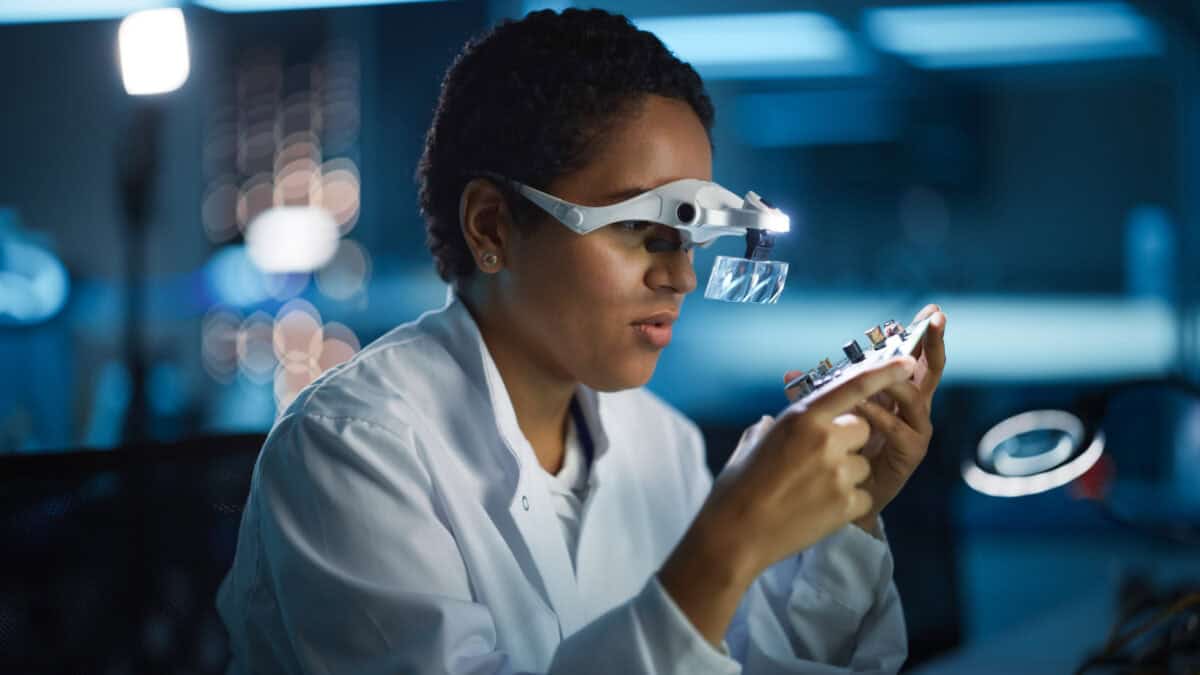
[(722, 547), (870, 524), (706, 576)]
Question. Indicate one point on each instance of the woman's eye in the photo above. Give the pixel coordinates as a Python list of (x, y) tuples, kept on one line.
[(653, 244), (634, 225), (661, 245)]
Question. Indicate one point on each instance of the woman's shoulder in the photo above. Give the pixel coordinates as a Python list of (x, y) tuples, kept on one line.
[(380, 382)]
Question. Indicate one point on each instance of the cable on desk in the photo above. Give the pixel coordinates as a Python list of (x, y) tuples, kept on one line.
[(1115, 644)]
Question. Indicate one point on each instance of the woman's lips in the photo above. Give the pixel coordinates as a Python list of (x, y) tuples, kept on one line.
[(655, 331)]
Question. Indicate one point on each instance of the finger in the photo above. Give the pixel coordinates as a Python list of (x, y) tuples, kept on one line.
[(756, 431), (885, 400), (835, 400), (903, 439), (852, 431), (859, 504), (854, 470), (891, 426), (874, 445), (927, 310), (935, 354), (752, 433), (913, 407), (749, 440), (793, 393)]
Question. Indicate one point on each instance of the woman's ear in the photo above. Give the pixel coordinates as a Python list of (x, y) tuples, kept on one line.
[(486, 223)]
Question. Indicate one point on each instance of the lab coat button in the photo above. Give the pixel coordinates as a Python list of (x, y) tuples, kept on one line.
[(525, 502)]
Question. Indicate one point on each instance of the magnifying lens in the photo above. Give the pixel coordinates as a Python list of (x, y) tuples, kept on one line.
[(701, 211)]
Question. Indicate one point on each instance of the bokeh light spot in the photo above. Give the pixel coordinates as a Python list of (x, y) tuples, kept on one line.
[(347, 273)]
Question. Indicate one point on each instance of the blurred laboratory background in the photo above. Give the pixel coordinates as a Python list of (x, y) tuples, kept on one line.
[(179, 257)]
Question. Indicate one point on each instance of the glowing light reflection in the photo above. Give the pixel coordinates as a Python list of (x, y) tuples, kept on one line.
[(340, 192), (292, 239), (347, 273), (234, 279), (219, 211), (767, 44), (33, 284), (255, 347), (297, 328), (219, 343), (338, 346), (967, 36)]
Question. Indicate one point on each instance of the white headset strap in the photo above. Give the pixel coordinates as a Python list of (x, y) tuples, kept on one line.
[(649, 206), (701, 210)]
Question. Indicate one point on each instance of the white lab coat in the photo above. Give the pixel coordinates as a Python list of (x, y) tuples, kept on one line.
[(398, 522)]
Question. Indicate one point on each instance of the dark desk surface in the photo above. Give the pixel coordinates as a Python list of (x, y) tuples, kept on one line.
[(1069, 583)]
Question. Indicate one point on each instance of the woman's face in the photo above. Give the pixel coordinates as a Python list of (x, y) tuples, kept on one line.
[(598, 308)]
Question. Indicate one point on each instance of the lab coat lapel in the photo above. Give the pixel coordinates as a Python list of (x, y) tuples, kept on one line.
[(533, 511), (530, 508), (609, 567)]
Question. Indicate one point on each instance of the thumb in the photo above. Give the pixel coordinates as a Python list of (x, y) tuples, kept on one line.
[(749, 439)]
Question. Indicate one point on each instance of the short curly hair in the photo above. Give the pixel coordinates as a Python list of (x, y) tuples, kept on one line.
[(526, 100)]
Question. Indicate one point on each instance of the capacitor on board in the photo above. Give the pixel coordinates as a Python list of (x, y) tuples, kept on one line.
[(876, 336), (853, 351)]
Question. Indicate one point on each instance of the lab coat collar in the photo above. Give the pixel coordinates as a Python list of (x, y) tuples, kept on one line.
[(456, 329), (530, 506)]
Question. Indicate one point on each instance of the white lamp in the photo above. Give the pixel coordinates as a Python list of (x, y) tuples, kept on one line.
[(154, 60), (153, 47)]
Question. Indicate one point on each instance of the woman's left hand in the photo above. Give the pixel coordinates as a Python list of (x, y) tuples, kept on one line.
[(900, 420)]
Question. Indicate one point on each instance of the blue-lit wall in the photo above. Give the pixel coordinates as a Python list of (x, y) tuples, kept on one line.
[(906, 185), (1049, 207)]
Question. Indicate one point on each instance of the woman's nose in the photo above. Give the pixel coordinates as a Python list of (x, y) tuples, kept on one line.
[(672, 270)]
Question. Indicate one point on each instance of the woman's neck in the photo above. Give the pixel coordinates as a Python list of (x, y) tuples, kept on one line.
[(540, 398)]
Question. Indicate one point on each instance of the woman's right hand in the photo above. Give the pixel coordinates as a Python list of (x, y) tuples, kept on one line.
[(795, 486), (799, 482)]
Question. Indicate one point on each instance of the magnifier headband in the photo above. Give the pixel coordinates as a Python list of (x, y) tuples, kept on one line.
[(701, 210)]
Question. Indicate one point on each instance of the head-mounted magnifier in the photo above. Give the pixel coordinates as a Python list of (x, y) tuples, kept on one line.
[(701, 211)]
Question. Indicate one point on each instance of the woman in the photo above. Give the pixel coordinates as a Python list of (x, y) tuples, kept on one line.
[(490, 490)]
